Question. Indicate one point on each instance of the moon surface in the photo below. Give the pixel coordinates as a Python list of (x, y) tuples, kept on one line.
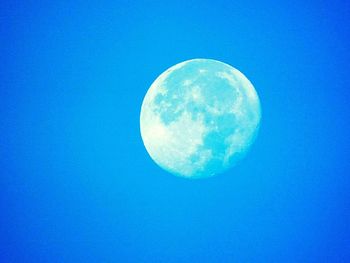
[(199, 118)]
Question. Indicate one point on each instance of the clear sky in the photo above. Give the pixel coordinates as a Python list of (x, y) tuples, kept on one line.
[(77, 184)]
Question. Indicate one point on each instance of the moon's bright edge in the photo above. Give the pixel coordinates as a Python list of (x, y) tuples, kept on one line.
[(199, 118)]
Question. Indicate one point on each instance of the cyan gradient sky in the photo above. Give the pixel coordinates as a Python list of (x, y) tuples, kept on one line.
[(77, 184)]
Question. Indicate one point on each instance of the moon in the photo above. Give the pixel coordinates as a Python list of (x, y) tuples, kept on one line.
[(199, 118)]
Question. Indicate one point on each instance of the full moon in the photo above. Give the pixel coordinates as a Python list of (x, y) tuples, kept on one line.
[(199, 118)]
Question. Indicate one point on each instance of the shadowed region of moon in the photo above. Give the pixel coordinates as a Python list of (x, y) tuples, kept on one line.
[(199, 118)]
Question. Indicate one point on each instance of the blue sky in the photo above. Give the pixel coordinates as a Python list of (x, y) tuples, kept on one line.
[(76, 181)]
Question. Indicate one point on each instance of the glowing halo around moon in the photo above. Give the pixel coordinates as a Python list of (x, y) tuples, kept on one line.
[(199, 118)]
